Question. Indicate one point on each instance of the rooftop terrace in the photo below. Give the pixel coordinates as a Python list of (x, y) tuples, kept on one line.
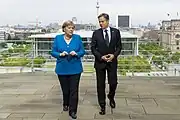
[(37, 96)]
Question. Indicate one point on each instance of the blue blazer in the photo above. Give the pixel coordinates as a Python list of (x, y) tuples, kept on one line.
[(68, 65)]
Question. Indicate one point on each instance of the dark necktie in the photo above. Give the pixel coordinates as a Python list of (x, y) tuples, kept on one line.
[(106, 38)]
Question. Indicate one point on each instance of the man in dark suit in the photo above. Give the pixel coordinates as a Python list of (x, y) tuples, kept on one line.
[(106, 46)]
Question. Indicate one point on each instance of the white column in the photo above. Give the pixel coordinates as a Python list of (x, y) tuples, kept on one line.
[(137, 50)]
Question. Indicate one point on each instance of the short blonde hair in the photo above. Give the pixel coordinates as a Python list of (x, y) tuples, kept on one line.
[(67, 23)]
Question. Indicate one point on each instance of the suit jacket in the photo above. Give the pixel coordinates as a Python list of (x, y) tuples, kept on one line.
[(99, 47)]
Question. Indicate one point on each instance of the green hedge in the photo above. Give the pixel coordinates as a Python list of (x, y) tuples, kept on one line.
[(133, 64), (5, 54), (176, 57), (21, 48), (152, 48), (38, 62), (17, 49), (15, 62)]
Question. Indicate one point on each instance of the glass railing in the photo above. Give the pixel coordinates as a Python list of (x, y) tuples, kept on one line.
[(144, 59)]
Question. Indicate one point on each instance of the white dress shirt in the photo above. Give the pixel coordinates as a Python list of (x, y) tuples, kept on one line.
[(109, 33)]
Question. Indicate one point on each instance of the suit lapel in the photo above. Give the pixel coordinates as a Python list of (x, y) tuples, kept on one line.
[(102, 35), (112, 35)]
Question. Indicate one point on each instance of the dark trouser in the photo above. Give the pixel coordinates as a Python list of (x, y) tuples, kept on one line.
[(70, 88), (112, 81)]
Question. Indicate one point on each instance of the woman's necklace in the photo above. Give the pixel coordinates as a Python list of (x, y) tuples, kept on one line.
[(67, 39)]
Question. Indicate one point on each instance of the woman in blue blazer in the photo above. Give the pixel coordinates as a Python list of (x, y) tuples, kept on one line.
[(68, 50)]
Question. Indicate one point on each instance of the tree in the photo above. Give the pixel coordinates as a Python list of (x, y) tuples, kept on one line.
[(176, 57), (133, 64)]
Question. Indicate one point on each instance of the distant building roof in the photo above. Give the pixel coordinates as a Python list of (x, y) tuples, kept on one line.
[(128, 35), (83, 34), (166, 21), (175, 20), (151, 35)]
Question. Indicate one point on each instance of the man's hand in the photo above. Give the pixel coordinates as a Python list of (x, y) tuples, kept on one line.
[(73, 53), (104, 58), (63, 53), (110, 57)]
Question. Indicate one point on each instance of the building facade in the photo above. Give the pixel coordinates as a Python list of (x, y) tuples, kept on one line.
[(2, 35), (43, 44), (170, 34), (123, 21)]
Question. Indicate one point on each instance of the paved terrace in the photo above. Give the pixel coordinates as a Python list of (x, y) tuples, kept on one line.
[(37, 96)]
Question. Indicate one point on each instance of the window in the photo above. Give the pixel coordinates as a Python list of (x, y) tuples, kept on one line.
[(84, 39), (86, 45), (177, 36), (177, 42)]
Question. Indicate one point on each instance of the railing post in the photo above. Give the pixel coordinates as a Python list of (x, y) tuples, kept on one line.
[(32, 60), (133, 58)]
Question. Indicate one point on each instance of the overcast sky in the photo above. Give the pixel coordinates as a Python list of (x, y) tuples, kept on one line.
[(48, 11)]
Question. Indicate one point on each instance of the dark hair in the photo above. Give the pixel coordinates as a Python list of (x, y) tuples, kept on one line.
[(67, 23), (105, 15)]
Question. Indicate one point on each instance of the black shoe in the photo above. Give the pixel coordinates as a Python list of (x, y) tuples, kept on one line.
[(65, 108), (73, 115), (103, 111), (112, 102)]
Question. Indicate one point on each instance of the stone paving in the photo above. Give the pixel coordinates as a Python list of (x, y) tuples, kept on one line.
[(37, 96)]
